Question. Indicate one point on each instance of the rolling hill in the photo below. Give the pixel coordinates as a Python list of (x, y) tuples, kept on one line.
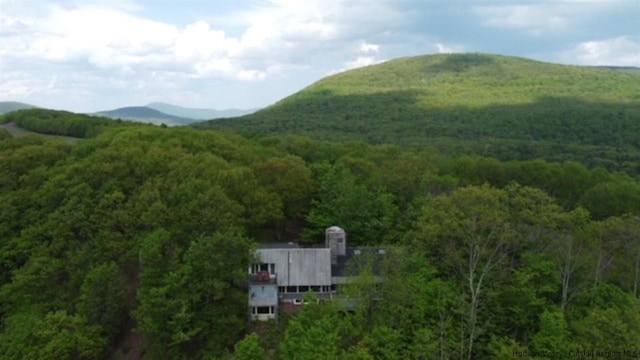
[(9, 106), (499, 106), (145, 114), (197, 113)]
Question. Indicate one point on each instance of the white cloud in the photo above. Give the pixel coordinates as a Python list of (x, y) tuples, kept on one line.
[(363, 55), (549, 18), (447, 49), (361, 61), (118, 45), (17, 84), (619, 51), (366, 48), (99, 51), (106, 38), (535, 19)]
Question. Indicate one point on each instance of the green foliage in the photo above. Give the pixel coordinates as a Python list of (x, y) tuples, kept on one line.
[(199, 301), (612, 323), (5, 134), (622, 236), (506, 349), (249, 349), (532, 289), (313, 334), (554, 334), (497, 106), (15, 340), (59, 122), (104, 298), (290, 179), (62, 336), (141, 210), (385, 343), (365, 215), (155, 225), (613, 198)]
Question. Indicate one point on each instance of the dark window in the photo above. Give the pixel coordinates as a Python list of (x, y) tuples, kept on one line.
[(315, 288), (303, 289), (263, 310), (292, 289), (281, 289), (255, 268), (333, 287)]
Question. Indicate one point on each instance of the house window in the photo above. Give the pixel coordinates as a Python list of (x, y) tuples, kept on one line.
[(303, 289), (281, 289), (333, 287), (264, 310), (256, 268), (292, 289), (315, 288)]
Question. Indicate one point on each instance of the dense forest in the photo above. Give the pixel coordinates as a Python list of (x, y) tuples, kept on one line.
[(134, 242), (506, 193), (64, 123), (496, 106)]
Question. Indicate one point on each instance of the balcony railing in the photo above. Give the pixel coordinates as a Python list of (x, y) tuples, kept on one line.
[(263, 277)]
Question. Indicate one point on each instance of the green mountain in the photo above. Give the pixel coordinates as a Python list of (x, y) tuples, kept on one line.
[(626, 69), (9, 106), (197, 113), (145, 114), (499, 106)]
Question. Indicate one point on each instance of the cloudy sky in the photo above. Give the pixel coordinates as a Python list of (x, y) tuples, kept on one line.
[(91, 55)]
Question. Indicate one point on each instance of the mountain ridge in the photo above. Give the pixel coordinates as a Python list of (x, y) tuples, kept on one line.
[(9, 106), (155, 112), (144, 114), (197, 113), (492, 105)]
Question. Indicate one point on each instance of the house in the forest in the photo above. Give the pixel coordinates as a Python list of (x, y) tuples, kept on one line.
[(284, 274)]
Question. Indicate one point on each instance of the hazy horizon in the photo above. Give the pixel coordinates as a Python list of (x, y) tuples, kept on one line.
[(95, 55)]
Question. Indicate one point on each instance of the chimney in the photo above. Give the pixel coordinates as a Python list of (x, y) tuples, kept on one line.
[(336, 241)]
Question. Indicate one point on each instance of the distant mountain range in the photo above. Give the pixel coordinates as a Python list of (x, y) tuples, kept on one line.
[(9, 106), (156, 113), (196, 113), (144, 114), (163, 113)]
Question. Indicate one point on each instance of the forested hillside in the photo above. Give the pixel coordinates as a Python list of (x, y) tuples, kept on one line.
[(135, 244), (56, 122), (496, 106)]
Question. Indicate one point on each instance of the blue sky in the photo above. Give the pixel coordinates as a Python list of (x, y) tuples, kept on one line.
[(93, 55)]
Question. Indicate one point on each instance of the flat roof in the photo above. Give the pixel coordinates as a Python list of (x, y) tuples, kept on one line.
[(289, 245), (375, 254)]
